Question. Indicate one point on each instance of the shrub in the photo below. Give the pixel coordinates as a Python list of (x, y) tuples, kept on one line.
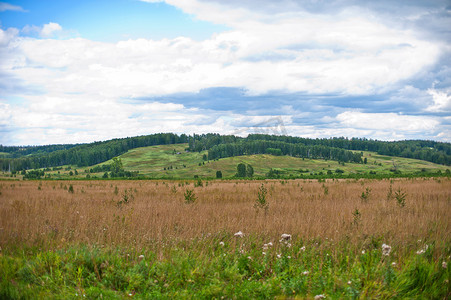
[(261, 201), (190, 197), (400, 197)]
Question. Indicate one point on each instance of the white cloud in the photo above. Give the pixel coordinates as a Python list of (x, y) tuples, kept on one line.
[(318, 56), (49, 30), (7, 36), (441, 99), (387, 121), (6, 6)]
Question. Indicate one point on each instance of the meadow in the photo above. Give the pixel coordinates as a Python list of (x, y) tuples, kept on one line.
[(182, 239)]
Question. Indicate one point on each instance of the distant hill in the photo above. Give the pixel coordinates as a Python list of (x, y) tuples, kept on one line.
[(215, 146)]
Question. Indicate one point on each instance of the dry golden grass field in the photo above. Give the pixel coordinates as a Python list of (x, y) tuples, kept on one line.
[(152, 213), (177, 239)]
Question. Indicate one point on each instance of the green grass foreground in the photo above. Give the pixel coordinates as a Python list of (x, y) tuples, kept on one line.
[(236, 268)]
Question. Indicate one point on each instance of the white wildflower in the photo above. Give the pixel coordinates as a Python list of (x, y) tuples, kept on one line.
[(317, 297), (349, 282), (305, 273), (303, 248), (269, 244), (288, 257), (279, 256), (386, 249), (363, 251), (285, 237), (239, 234), (141, 257), (393, 264), (264, 253), (249, 257), (265, 247), (444, 265), (421, 251), (221, 243)]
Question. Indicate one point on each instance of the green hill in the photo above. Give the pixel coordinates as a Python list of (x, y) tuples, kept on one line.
[(173, 162), (167, 155)]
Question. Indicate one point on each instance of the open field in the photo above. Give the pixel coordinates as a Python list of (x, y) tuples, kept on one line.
[(70, 238)]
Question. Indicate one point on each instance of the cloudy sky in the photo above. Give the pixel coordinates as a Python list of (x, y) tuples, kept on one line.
[(79, 71)]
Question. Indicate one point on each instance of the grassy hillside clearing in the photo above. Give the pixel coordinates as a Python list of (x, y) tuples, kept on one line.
[(151, 161), (172, 161)]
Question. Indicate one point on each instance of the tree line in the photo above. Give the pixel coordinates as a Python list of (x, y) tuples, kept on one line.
[(432, 151), (17, 158), (282, 148), (87, 154)]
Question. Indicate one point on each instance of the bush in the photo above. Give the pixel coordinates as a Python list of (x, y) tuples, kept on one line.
[(190, 197)]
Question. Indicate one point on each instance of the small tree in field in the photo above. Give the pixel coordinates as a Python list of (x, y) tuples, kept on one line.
[(190, 197), (244, 170), (241, 170), (261, 201), (249, 171)]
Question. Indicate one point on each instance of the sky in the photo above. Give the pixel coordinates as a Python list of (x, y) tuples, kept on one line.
[(78, 71)]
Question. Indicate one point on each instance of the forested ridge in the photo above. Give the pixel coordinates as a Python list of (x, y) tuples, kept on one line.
[(436, 152), (85, 154), (17, 158)]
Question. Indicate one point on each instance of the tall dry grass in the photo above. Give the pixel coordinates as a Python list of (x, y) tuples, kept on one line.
[(45, 213)]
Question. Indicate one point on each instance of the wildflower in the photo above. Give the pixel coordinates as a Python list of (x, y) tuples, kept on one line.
[(393, 264), (317, 297), (279, 256), (363, 251), (444, 265), (141, 257), (421, 251), (239, 234), (305, 273), (285, 237), (349, 282), (221, 243), (266, 246), (288, 257), (386, 249), (303, 248), (264, 253), (249, 257)]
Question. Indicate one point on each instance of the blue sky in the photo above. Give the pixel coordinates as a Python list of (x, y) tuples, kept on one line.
[(82, 71)]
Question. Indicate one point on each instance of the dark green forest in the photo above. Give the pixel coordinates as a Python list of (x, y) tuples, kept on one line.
[(17, 158)]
